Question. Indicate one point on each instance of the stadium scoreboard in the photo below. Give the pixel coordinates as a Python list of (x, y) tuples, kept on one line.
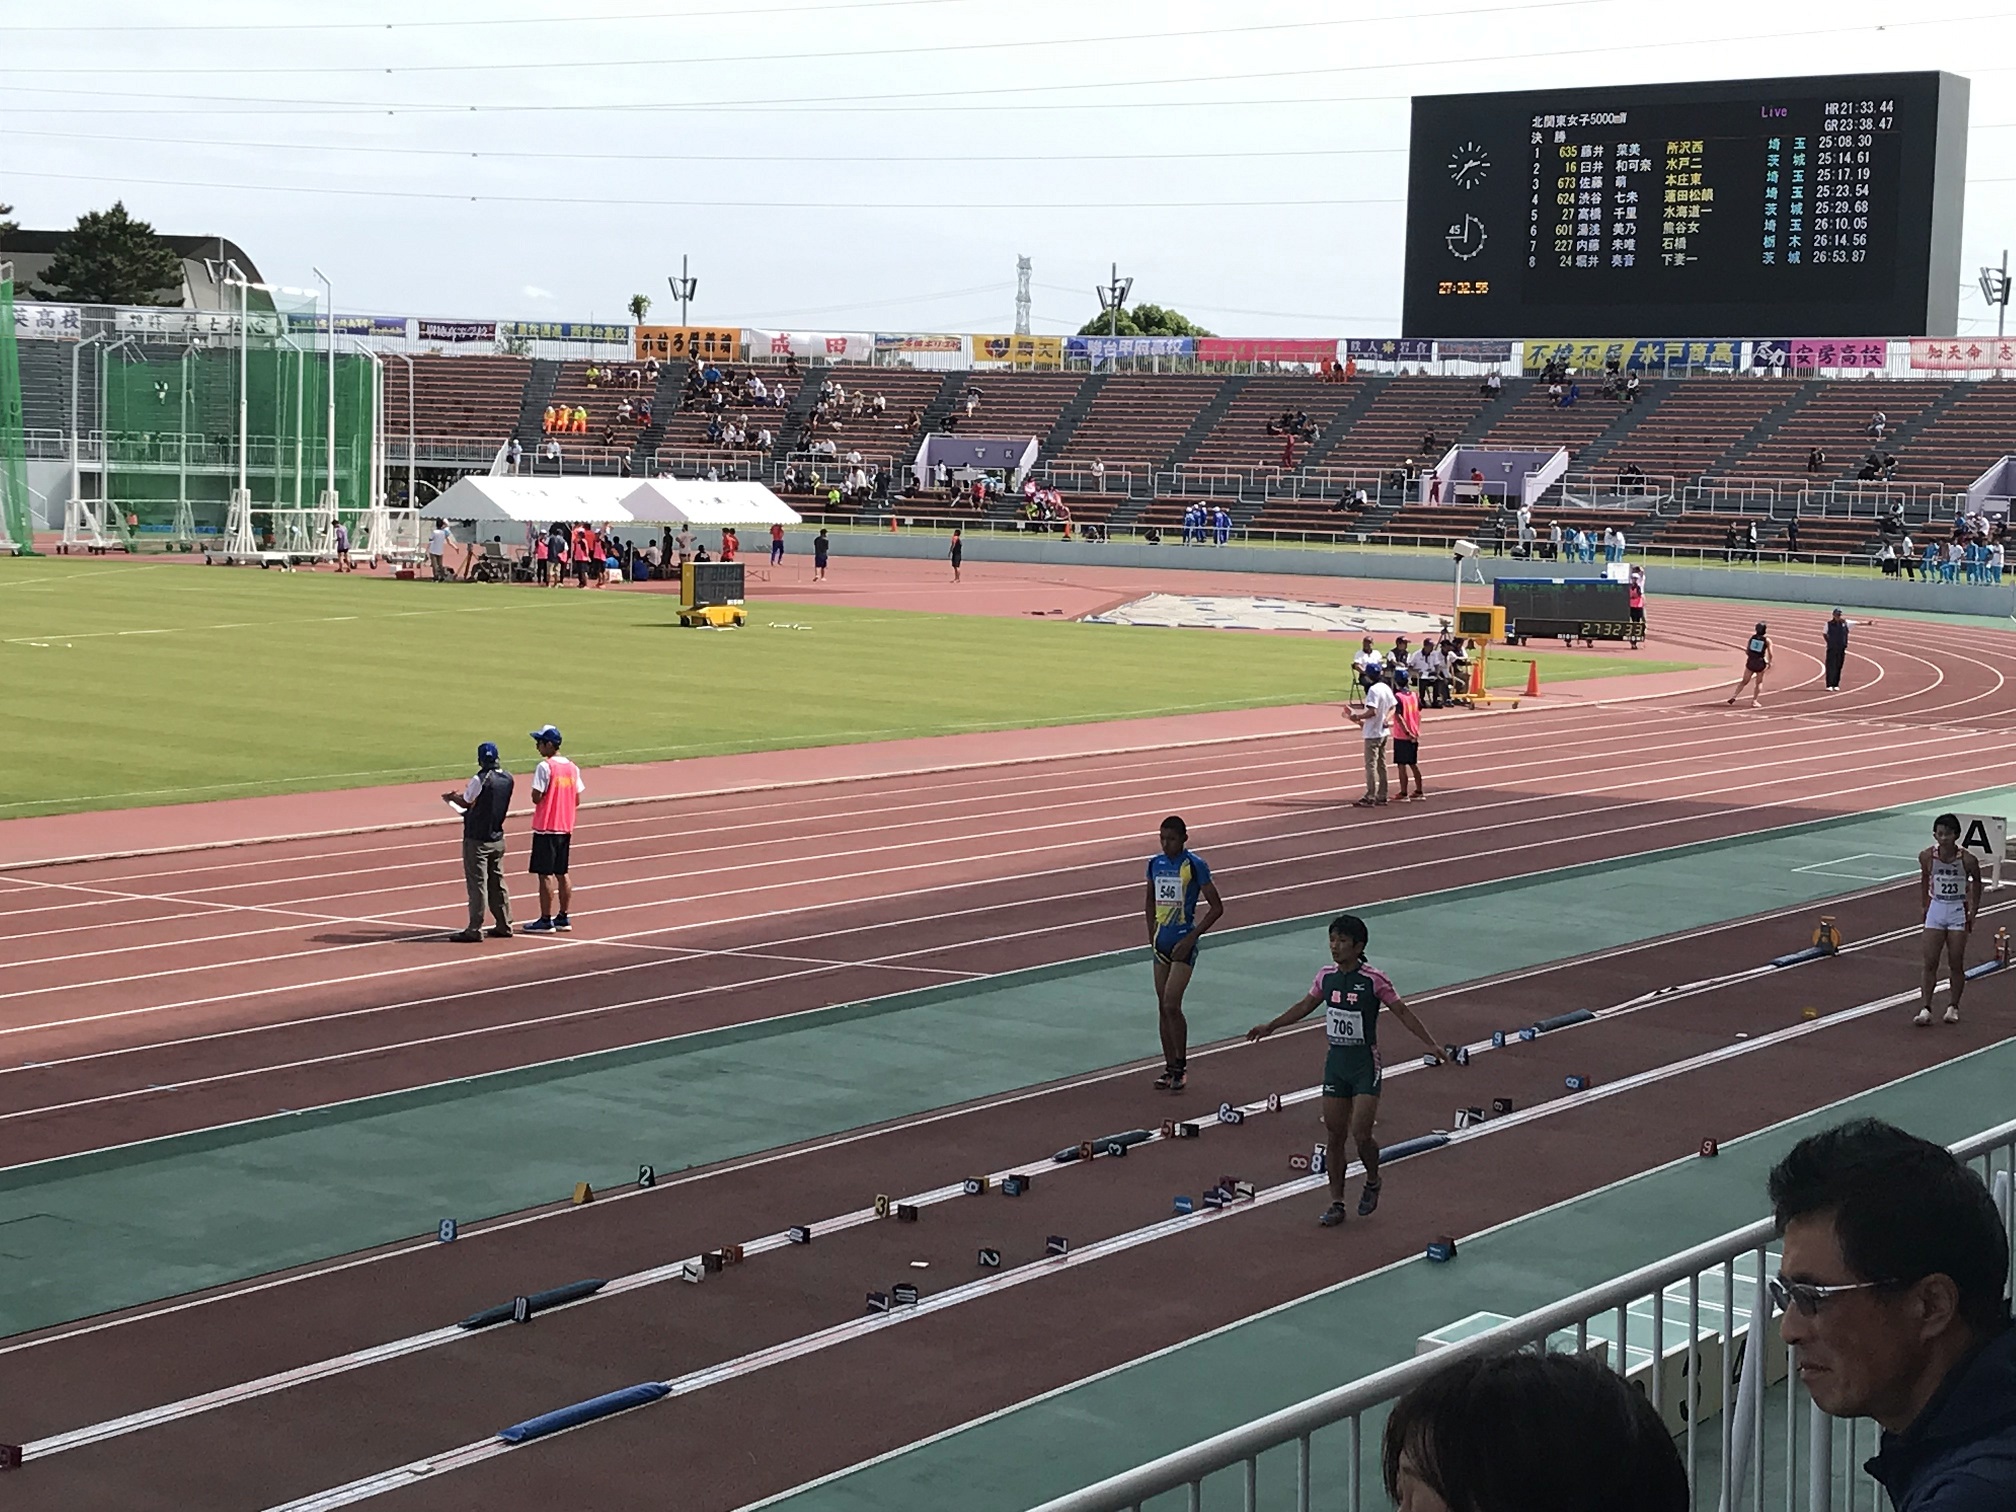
[(1568, 608), (1822, 206)]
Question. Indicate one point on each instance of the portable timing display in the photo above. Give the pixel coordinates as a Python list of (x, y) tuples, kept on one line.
[(1824, 206), (705, 583), (1570, 608)]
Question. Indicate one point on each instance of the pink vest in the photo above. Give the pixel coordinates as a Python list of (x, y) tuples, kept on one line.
[(553, 810)]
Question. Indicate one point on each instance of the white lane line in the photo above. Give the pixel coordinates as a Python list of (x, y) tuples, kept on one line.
[(857, 1328)]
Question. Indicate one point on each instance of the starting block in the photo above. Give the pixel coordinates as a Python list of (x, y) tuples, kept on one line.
[(975, 1185), (882, 1205), (1184, 1206), (521, 1309), (713, 1262), (1014, 1186), (906, 1212), (1497, 1039), (1214, 1198), (1227, 1114), (10, 1456), (1056, 1244), (1468, 1116), (878, 1302), (1500, 1106), (903, 1294), (990, 1259), (583, 1193), (1298, 1162), (1580, 1083), (1441, 1249), (1827, 938), (446, 1230), (799, 1233), (647, 1176), (1273, 1102), (1710, 1149)]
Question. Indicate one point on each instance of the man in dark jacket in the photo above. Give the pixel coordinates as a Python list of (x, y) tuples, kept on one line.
[(484, 804), (1891, 1286), (1837, 649)]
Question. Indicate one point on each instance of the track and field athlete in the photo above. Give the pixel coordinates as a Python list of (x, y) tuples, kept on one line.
[(1756, 662), (1177, 878), (1949, 890), (1350, 993)]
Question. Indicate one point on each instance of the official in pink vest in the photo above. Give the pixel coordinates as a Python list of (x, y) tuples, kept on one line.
[(556, 796)]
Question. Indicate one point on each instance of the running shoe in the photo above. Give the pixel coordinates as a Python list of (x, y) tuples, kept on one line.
[(562, 923), (1366, 802), (1924, 1017), (540, 925), (1171, 1080), (475, 936), (1368, 1204), (1333, 1215), (1952, 1015), (501, 932)]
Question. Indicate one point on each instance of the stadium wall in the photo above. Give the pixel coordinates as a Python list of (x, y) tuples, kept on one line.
[(1827, 590)]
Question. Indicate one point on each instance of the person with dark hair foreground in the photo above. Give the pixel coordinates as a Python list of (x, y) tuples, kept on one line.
[(1892, 1287), (1531, 1433)]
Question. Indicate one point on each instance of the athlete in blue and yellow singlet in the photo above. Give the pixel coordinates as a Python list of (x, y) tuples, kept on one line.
[(1350, 993), (1177, 878)]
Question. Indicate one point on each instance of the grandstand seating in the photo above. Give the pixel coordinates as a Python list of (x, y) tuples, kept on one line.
[(1137, 420), (1021, 404), (1404, 411), (474, 398), (1691, 424), (888, 436), (1970, 436), (1833, 418), (45, 387), (1534, 419), (1239, 439)]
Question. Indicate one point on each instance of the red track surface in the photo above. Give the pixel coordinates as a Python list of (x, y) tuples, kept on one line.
[(250, 981)]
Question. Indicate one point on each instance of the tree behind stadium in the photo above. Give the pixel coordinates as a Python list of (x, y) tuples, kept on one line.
[(111, 258)]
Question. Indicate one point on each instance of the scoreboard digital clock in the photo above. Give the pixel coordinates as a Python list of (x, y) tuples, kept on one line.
[(1810, 207)]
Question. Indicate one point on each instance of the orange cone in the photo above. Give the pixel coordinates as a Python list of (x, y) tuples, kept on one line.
[(1532, 679), (1477, 680)]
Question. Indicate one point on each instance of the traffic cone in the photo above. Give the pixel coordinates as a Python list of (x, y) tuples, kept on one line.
[(1532, 679), (1477, 680)]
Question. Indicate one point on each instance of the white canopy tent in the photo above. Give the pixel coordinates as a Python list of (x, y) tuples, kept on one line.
[(613, 501)]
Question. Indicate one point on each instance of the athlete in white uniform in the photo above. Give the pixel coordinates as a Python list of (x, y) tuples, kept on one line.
[(1949, 890)]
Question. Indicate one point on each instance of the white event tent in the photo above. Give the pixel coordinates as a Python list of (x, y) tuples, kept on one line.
[(612, 501)]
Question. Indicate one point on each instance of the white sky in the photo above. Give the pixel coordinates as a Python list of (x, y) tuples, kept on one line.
[(864, 164)]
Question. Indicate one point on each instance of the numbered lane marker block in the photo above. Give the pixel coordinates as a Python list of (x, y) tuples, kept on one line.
[(1580, 1083), (521, 1309), (1184, 1206), (1710, 1149), (1187, 1131), (1298, 1162), (1056, 1244), (878, 1302), (732, 1253), (713, 1262), (1116, 1148), (990, 1259), (906, 1212), (1529, 1033), (1214, 1198), (799, 1233), (647, 1176), (1014, 1186), (1497, 1039), (975, 1185), (1168, 1128), (446, 1231), (1441, 1249), (583, 1193), (1244, 1191), (903, 1294), (692, 1270), (1085, 1150), (881, 1204), (1319, 1161), (1500, 1106), (1468, 1116), (10, 1456), (1273, 1102), (1461, 1055)]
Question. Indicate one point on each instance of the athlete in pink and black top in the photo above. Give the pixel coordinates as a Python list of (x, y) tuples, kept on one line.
[(556, 796), (1351, 994)]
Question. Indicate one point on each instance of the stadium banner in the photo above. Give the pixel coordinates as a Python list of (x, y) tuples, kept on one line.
[(1474, 351), (565, 330), (833, 346), (1266, 349), (1021, 351), (458, 330), (180, 323), (48, 322), (1968, 354), (1633, 356), (894, 343), (1107, 348), (1389, 349), (677, 343), (350, 325), (1865, 354)]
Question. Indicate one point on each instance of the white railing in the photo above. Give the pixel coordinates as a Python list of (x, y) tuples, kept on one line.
[(1686, 1319)]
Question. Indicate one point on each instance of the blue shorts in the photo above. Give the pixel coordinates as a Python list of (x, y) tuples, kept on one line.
[(1166, 939)]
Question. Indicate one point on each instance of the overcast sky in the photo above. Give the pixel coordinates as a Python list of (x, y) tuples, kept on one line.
[(864, 164)]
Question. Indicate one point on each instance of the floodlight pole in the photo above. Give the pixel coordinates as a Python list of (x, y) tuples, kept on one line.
[(329, 309), (1111, 297), (684, 287)]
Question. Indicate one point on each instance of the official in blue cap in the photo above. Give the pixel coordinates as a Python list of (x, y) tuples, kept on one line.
[(484, 804)]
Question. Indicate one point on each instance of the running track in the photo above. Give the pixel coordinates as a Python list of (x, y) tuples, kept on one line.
[(153, 995)]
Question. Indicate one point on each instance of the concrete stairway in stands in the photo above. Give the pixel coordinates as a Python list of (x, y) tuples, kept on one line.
[(532, 409), (1764, 428), (941, 406), (1368, 390), (1207, 419), (1628, 416), (791, 424), (664, 404), (1897, 442), (1072, 413)]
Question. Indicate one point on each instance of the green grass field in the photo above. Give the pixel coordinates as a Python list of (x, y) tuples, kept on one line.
[(145, 683)]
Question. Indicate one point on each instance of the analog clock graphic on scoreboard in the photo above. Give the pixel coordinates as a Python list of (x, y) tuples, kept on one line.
[(1466, 238), (1468, 164)]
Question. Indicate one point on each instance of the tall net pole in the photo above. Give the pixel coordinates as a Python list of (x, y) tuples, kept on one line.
[(17, 518)]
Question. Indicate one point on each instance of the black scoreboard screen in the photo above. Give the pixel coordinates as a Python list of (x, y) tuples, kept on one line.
[(1804, 207), (1570, 608)]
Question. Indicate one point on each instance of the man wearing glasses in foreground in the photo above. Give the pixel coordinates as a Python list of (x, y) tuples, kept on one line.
[(1893, 1291)]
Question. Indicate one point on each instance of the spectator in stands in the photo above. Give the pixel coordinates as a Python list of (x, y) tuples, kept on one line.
[(593, 377), (1878, 424), (1816, 459), (1555, 389), (1889, 467), (1891, 1287), (623, 412), (1428, 444), (1574, 393), (1792, 535), (1519, 1432), (1632, 388), (513, 454), (580, 425), (546, 423), (651, 370)]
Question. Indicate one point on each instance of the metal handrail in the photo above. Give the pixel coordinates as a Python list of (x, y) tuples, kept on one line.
[(1295, 1424)]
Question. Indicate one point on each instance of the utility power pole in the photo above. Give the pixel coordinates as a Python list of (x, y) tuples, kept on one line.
[(684, 287), (1021, 296)]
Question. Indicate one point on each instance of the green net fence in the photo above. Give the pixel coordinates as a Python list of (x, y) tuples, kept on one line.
[(17, 518), (170, 419)]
